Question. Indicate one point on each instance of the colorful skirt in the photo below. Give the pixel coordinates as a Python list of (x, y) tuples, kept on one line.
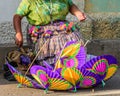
[(51, 38)]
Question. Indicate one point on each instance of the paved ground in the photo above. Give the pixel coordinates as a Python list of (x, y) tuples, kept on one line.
[(112, 88)]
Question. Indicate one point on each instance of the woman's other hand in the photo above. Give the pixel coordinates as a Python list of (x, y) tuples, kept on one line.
[(19, 39), (76, 11), (81, 16)]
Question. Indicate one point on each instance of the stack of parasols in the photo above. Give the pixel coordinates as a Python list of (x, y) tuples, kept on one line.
[(72, 70)]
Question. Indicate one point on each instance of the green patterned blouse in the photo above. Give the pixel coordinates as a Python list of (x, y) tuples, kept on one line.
[(37, 12)]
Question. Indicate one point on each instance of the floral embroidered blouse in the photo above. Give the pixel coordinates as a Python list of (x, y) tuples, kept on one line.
[(37, 12)]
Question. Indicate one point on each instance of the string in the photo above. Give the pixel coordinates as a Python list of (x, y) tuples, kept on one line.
[(36, 57)]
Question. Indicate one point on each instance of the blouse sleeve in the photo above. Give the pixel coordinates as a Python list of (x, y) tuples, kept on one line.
[(70, 2), (23, 8)]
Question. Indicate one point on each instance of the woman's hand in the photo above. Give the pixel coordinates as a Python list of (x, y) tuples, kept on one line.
[(19, 39), (75, 11), (81, 16)]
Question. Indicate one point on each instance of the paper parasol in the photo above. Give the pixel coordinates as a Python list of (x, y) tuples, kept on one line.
[(71, 75), (73, 55), (113, 66), (89, 79), (23, 80), (49, 79), (105, 64)]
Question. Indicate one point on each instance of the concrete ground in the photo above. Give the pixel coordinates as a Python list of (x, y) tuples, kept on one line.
[(112, 88)]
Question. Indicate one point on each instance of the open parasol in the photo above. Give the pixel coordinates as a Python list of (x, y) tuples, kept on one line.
[(102, 65), (49, 79), (22, 79), (73, 54)]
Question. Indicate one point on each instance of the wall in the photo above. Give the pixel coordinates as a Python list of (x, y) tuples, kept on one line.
[(102, 6), (7, 9)]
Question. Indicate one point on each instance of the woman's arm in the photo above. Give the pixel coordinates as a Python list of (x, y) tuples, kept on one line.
[(17, 26), (76, 11)]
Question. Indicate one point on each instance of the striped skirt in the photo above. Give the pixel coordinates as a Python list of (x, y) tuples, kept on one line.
[(49, 40)]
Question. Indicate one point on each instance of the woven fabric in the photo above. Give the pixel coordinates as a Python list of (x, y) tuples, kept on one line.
[(54, 43)]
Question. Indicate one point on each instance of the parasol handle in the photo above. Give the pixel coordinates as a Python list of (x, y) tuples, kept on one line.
[(60, 55), (36, 57), (103, 83), (75, 89), (46, 91), (86, 43)]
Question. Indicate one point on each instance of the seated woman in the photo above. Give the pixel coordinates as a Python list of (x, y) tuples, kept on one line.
[(48, 26)]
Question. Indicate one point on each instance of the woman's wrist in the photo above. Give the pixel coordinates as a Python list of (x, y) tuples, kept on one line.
[(18, 32)]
